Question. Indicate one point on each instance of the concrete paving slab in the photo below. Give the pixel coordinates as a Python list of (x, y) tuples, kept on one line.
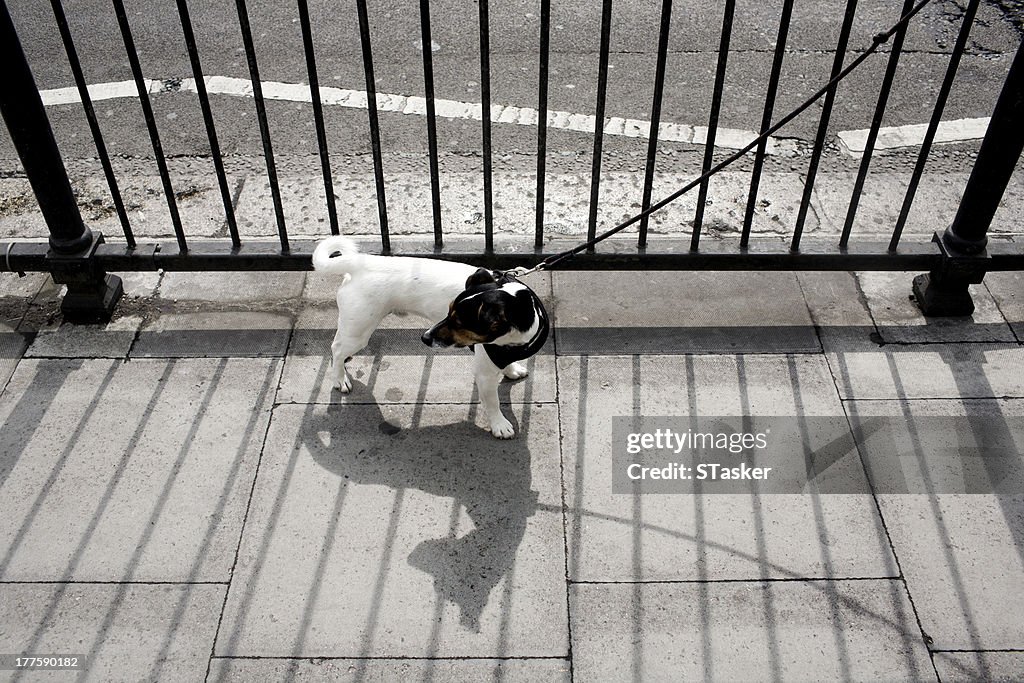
[(401, 531), (397, 367), (834, 299), (864, 370), (12, 346), (225, 670), (962, 555), (232, 286), (971, 667), (305, 205), (775, 212), (140, 285), (214, 334), (140, 471), (198, 199), (320, 288), (681, 537), (66, 340), (566, 197), (899, 319), (16, 295), (838, 308), (1008, 291), (794, 630), (50, 292), (11, 285), (934, 208), (661, 312), (127, 632)]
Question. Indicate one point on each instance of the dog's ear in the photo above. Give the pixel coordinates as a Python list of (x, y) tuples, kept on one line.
[(481, 277)]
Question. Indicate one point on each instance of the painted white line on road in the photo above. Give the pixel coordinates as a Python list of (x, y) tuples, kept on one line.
[(97, 92), (852, 142), (897, 137), (727, 138)]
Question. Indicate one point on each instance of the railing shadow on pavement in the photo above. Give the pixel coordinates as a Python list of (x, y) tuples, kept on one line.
[(37, 399), (973, 397), (965, 361), (496, 494)]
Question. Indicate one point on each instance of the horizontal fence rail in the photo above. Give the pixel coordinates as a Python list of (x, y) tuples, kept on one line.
[(672, 254), (676, 251)]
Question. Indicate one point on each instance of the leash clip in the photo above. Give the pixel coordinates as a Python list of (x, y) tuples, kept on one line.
[(522, 271)]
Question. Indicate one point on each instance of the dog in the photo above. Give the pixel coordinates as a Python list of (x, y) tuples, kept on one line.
[(502, 320)]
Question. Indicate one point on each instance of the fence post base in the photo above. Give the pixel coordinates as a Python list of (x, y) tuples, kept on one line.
[(944, 291), (91, 301), (938, 297), (92, 293)]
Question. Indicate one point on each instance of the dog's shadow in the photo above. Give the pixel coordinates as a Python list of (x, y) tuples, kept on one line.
[(490, 479)]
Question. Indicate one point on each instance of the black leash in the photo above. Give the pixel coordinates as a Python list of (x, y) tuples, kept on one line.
[(878, 40)]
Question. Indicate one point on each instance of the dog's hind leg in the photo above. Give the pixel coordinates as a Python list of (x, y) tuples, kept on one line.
[(342, 349), (351, 338)]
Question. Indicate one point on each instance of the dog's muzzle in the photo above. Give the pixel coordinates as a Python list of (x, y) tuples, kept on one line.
[(429, 339)]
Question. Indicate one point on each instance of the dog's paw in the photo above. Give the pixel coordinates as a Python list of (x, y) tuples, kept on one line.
[(502, 428), (343, 384), (516, 371)]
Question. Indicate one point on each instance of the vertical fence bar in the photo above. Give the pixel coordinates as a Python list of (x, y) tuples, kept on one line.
[(371, 109), (147, 112), (485, 119), (602, 96), (766, 118), (90, 115), (823, 121), (933, 124), (211, 131), (998, 156), (32, 136), (876, 123), (428, 85), (92, 294), (716, 106), (542, 117), (652, 138), (318, 114), (261, 114), (944, 291)]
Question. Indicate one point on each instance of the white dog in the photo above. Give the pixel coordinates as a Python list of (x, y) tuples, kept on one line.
[(499, 317)]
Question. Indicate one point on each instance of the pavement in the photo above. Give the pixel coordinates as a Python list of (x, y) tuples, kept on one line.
[(185, 499)]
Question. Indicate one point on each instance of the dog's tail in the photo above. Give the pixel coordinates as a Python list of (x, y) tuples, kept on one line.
[(336, 254)]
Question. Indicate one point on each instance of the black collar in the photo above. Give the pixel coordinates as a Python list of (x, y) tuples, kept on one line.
[(503, 356)]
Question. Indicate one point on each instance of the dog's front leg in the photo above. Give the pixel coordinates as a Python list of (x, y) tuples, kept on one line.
[(488, 375)]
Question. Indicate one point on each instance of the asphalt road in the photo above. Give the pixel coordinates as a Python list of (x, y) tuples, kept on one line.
[(514, 64)]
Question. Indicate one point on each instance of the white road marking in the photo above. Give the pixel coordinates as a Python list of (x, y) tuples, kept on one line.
[(897, 137), (851, 141), (97, 92), (727, 138)]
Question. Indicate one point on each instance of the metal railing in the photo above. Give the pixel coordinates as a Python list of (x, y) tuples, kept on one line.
[(82, 259)]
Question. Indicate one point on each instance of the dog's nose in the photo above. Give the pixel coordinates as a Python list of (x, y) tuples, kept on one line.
[(427, 339)]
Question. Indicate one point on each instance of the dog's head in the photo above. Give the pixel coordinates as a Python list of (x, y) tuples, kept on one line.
[(486, 313)]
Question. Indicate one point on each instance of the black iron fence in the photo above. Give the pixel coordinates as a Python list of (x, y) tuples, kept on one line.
[(958, 256)]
